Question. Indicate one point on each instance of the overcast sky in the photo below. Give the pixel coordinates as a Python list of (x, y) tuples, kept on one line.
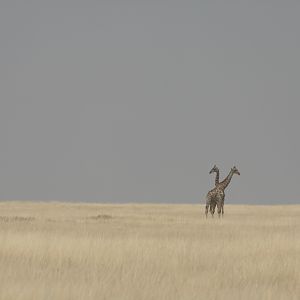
[(135, 101)]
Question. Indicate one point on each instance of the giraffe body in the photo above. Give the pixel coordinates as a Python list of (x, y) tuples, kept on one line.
[(214, 198)]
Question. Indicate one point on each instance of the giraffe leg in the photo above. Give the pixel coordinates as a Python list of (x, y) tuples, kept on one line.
[(223, 198), (219, 212), (212, 209), (219, 206), (208, 203)]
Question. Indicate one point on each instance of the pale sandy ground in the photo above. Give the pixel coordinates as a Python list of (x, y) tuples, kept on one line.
[(91, 251)]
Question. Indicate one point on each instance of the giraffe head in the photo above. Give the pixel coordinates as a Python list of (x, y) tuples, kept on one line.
[(214, 169), (235, 170)]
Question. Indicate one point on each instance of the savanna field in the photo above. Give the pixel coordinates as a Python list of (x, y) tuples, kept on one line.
[(141, 251)]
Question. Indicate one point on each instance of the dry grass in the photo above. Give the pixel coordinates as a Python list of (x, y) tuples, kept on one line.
[(91, 251)]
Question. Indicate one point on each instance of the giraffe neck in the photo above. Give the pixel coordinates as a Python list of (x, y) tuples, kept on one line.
[(217, 177), (226, 181)]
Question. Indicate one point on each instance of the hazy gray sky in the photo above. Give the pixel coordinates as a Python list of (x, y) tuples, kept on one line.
[(134, 101)]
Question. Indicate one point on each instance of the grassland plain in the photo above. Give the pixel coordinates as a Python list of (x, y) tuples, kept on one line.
[(145, 251)]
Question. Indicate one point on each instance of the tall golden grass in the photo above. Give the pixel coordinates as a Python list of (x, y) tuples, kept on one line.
[(93, 251)]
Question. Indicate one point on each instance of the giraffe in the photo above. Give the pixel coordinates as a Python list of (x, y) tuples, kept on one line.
[(216, 170), (216, 196)]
